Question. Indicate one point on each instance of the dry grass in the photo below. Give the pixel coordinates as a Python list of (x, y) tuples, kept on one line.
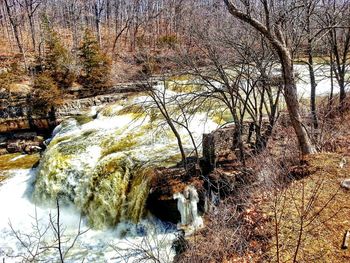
[(310, 216)]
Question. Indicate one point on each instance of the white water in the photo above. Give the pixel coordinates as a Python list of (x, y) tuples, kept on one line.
[(93, 246), (74, 159), (322, 75), (106, 245)]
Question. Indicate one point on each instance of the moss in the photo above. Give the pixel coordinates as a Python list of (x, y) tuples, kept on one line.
[(221, 117), (25, 162), (109, 184), (3, 176), (50, 178), (82, 119), (58, 139), (172, 160), (75, 144), (109, 111), (138, 193), (134, 108), (183, 87), (184, 77), (120, 144)]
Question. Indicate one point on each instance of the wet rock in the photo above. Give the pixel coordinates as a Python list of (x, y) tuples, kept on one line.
[(27, 142), (25, 135), (4, 94), (218, 144), (2, 140), (39, 139), (30, 149), (14, 147), (13, 125)]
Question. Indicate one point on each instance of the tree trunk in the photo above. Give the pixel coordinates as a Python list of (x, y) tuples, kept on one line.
[(291, 98), (16, 32), (342, 94), (313, 87), (32, 30), (330, 102)]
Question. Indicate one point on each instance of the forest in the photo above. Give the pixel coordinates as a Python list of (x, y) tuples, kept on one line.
[(174, 130)]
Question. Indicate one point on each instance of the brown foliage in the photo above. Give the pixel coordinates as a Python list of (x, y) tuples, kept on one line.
[(45, 94)]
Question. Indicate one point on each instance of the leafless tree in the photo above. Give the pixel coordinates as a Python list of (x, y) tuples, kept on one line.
[(271, 23), (31, 7), (44, 238), (13, 15), (336, 17), (155, 246)]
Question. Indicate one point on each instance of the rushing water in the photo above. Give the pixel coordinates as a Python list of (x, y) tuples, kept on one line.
[(323, 81), (110, 245), (99, 167)]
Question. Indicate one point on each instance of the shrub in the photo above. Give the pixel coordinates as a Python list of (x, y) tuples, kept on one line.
[(6, 79), (46, 95), (167, 41), (58, 61), (96, 65)]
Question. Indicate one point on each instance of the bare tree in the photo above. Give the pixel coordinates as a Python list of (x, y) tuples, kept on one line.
[(237, 76), (336, 17), (12, 12), (160, 98), (271, 27), (46, 238), (99, 7), (154, 247), (31, 7)]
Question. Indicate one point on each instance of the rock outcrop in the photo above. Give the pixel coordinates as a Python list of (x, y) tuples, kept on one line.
[(24, 142), (15, 117), (14, 108), (167, 183)]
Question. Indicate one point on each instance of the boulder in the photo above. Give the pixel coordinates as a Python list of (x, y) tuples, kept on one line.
[(25, 135), (346, 184), (218, 144)]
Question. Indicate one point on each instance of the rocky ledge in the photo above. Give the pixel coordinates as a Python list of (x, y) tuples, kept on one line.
[(22, 142), (22, 132)]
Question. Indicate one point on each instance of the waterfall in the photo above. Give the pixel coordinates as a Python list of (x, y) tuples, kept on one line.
[(101, 167), (104, 166), (84, 166)]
